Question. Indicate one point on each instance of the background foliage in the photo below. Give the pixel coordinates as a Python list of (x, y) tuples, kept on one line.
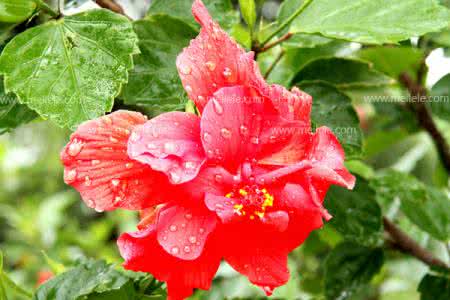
[(362, 61)]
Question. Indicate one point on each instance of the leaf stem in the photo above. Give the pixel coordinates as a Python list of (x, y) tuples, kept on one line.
[(14, 286), (424, 115), (287, 22), (112, 6), (46, 8), (274, 43), (274, 63), (402, 242)]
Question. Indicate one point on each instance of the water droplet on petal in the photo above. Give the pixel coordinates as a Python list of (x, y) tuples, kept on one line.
[(187, 249), (218, 108), (70, 176), (227, 72), (185, 69), (175, 177), (209, 153), (218, 177), (173, 228), (75, 147), (95, 162), (188, 88), (207, 137), (243, 130), (170, 147), (128, 165), (188, 216), (87, 181), (226, 133), (90, 203), (192, 239), (190, 165), (107, 120), (201, 230), (117, 200), (211, 65), (201, 98), (135, 137), (113, 140), (115, 182), (175, 250)]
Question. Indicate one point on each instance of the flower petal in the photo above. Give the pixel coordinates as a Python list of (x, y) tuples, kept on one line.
[(169, 143), (97, 165), (183, 232), (292, 105), (142, 252), (240, 124), (327, 156), (264, 262), (213, 60)]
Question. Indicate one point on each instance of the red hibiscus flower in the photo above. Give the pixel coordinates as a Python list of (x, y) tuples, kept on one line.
[(244, 182)]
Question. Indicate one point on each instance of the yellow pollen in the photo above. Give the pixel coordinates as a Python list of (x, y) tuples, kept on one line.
[(246, 193)]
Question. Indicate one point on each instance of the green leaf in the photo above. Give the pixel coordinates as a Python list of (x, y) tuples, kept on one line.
[(154, 82), (393, 60), (6, 32), (16, 11), (440, 93), (70, 70), (348, 268), (374, 21), (435, 286), (343, 73), (425, 206), (334, 109), (12, 113), (248, 10), (356, 214), (221, 10), (303, 40), (83, 280)]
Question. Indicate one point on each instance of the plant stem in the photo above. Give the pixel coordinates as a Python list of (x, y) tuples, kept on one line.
[(46, 8), (274, 43), (287, 22), (274, 63), (402, 242), (14, 286), (424, 115)]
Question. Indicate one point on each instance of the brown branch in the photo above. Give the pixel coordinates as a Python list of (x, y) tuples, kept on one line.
[(402, 242), (274, 43), (274, 63), (113, 6), (424, 116)]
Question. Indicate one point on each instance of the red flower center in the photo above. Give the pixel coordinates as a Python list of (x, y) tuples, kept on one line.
[(251, 201)]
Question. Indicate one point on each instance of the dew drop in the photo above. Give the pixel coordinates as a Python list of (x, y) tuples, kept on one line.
[(151, 146), (135, 137), (226, 133), (218, 177), (207, 137), (211, 65), (75, 147), (175, 250), (128, 165), (117, 200), (185, 69), (227, 72), (90, 203), (192, 239), (87, 181), (70, 176), (175, 177), (243, 130), (201, 98), (209, 153), (187, 249), (113, 140), (188, 88), (173, 228), (218, 108), (255, 140), (95, 162), (190, 165), (107, 120), (201, 230), (188, 216), (170, 147), (115, 182)]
